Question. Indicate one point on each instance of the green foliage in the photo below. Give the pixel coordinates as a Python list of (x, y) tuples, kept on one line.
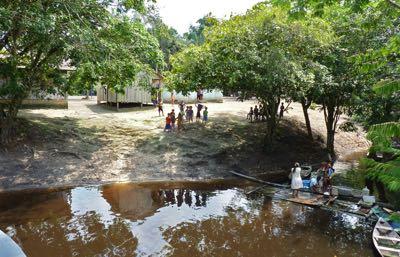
[(196, 33), (260, 54), (168, 38), (384, 139), (387, 88), (348, 126), (37, 38), (395, 217), (124, 49)]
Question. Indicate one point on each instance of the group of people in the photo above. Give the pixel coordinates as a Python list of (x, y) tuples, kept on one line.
[(258, 113), (321, 180), (186, 113)]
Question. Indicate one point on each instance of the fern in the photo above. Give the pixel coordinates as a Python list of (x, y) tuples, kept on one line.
[(387, 87), (383, 138)]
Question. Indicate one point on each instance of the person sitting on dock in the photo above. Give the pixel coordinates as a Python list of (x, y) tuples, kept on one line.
[(297, 182)]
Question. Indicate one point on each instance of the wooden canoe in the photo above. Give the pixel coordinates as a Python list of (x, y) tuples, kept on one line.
[(386, 240), (8, 247), (314, 201)]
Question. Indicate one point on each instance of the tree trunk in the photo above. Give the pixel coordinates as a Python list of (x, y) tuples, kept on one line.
[(329, 113), (305, 106), (271, 109), (8, 117), (381, 191), (330, 142), (7, 129)]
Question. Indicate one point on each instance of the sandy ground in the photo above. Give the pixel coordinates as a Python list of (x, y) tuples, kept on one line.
[(91, 144)]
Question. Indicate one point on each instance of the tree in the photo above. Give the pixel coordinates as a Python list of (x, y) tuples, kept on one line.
[(36, 37), (168, 38), (124, 49), (259, 54), (360, 27), (195, 35)]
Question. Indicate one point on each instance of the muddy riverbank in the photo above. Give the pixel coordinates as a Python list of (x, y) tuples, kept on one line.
[(90, 144)]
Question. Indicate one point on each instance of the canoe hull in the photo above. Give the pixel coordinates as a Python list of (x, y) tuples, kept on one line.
[(385, 239)]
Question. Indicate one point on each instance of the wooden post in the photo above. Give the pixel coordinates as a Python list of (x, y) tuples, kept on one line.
[(116, 99), (106, 96)]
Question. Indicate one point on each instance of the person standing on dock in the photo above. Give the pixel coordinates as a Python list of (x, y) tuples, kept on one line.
[(297, 182)]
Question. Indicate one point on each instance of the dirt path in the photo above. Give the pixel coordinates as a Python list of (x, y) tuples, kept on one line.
[(89, 144)]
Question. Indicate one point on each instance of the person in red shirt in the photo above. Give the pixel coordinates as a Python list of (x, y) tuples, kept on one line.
[(168, 123)]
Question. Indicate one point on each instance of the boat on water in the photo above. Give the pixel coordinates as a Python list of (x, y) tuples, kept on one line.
[(386, 239), (8, 247)]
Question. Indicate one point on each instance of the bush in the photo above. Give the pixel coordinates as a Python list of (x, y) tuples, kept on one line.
[(348, 126)]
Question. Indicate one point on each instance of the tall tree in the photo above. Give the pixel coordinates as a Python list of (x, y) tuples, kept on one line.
[(37, 37), (168, 38), (195, 35), (259, 54)]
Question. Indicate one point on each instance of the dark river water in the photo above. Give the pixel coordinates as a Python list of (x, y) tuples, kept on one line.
[(176, 220)]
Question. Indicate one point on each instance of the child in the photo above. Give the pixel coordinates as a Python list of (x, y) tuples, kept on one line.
[(256, 113), (168, 123), (160, 108), (198, 114), (250, 114), (205, 114), (187, 113), (182, 106), (180, 121), (191, 114), (173, 119)]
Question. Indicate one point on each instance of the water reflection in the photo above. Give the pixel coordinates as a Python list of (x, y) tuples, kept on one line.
[(175, 220)]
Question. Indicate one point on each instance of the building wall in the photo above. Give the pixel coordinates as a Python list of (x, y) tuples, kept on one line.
[(208, 96), (44, 101), (132, 94)]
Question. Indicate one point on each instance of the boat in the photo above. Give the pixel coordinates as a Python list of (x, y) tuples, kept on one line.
[(386, 240), (8, 247), (315, 201)]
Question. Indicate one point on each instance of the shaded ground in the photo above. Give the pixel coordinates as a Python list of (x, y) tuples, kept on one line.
[(92, 144)]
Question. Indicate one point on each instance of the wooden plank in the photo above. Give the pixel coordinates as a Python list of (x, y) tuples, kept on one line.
[(255, 190), (310, 202), (384, 248), (258, 180), (384, 228), (388, 238)]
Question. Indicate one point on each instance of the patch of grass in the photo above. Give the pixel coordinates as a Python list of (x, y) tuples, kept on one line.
[(352, 178)]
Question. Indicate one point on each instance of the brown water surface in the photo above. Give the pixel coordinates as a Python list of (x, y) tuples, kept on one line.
[(176, 220)]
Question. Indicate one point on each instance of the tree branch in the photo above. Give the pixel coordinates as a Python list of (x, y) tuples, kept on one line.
[(51, 52)]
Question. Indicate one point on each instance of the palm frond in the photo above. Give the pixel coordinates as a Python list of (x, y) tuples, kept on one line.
[(387, 87), (382, 134), (388, 173)]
